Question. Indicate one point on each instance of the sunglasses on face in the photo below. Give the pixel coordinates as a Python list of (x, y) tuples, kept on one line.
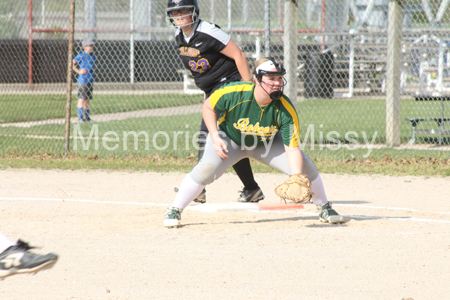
[(180, 12)]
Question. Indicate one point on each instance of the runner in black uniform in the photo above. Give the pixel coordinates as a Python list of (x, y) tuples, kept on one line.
[(213, 59)]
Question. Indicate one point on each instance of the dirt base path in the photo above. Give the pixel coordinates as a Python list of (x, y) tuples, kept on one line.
[(107, 229)]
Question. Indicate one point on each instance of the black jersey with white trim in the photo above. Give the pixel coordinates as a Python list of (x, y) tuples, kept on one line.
[(201, 55)]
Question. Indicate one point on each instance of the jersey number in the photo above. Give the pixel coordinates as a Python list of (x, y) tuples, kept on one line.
[(201, 66)]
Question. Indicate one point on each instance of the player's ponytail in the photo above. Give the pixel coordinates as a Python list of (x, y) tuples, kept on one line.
[(257, 64)]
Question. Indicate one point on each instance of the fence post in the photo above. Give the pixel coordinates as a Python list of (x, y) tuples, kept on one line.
[(132, 41), (30, 42), (69, 77), (393, 73), (212, 11), (90, 18), (290, 48), (267, 27)]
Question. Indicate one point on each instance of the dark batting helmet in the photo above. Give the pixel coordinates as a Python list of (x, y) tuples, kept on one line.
[(266, 68), (183, 4)]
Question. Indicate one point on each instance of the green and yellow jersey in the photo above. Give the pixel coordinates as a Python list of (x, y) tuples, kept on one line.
[(246, 122)]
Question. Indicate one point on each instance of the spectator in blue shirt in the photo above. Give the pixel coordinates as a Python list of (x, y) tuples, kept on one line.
[(85, 60)]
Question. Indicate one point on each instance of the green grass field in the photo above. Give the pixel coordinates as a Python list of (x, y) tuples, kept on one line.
[(157, 163), (320, 120), (26, 108)]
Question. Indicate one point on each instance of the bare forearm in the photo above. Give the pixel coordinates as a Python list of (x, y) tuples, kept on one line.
[(210, 117), (74, 68), (234, 52), (295, 159), (242, 66)]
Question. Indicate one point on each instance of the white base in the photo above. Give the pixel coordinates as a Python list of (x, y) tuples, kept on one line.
[(213, 207)]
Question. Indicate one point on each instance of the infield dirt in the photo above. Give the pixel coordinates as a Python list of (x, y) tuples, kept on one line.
[(107, 229)]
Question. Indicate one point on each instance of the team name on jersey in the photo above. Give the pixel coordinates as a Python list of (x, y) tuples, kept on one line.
[(188, 51), (246, 128)]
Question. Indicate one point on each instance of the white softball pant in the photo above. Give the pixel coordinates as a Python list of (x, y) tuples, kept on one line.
[(211, 166)]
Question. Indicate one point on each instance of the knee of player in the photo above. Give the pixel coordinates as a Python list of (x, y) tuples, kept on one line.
[(204, 174)]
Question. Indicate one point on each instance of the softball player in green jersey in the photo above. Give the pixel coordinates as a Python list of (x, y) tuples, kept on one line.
[(256, 121)]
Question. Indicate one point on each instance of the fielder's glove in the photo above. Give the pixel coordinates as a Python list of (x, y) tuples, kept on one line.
[(297, 189)]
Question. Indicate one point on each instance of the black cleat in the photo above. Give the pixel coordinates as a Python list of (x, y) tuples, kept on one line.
[(18, 260), (201, 198), (255, 195)]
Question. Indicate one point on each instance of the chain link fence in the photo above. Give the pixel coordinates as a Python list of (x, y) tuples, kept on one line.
[(369, 77)]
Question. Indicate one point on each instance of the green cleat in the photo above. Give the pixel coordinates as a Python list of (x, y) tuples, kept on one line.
[(172, 217), (328, 215)]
